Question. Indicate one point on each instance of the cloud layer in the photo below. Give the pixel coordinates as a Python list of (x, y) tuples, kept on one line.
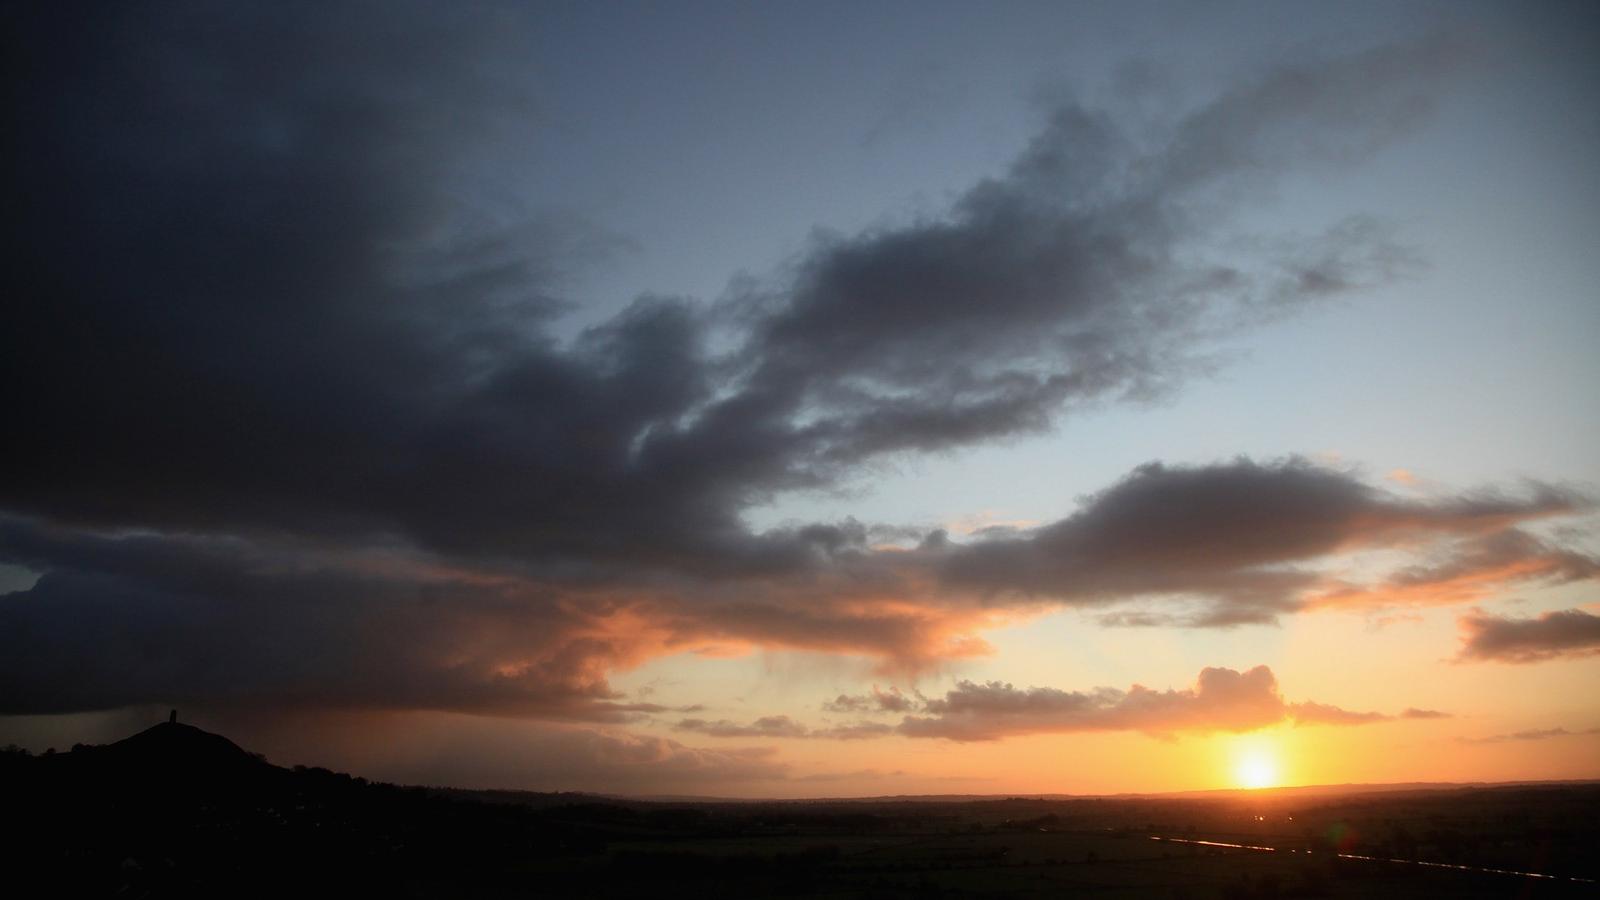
[(161, 618), (299, 427)]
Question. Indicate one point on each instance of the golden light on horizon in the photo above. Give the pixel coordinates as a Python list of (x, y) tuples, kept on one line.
[(1255, 765)]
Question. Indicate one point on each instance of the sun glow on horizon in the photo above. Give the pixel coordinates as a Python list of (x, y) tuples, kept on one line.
[(1255, 766)]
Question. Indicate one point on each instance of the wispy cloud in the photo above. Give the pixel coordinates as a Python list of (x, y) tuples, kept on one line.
[(1538, 734), (767, 726), (784, 727), (891, 700)]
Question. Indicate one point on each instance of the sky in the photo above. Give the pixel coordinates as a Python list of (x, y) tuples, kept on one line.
[(802, 400)]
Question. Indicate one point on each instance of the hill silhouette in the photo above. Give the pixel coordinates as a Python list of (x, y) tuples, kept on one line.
[(174, 753), (176, 811), (171, 742)]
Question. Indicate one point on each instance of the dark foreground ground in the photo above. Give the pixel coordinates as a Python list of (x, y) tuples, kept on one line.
[(175, 811)]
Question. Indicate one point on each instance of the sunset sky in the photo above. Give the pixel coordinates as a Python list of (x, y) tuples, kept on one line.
[(808, 399)]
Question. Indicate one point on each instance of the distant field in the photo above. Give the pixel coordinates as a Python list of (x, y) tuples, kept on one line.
[(1141, 847)]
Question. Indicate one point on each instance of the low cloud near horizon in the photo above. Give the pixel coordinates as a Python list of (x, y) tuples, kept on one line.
[(1221, 700)]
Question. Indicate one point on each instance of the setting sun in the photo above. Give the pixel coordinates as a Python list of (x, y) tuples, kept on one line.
[(1256, 767)]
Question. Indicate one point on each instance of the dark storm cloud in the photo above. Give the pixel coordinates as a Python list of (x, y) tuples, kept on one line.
[(1569, 633), (1221, 700), (252, 300), (247, 300), (256, 341)]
